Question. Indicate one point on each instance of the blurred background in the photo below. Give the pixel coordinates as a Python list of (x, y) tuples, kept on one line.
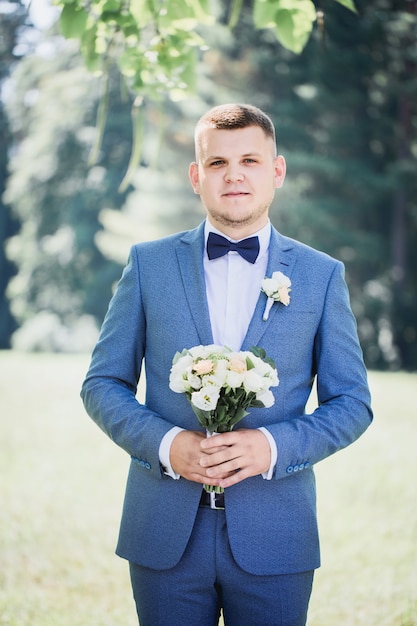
[(346, 119)]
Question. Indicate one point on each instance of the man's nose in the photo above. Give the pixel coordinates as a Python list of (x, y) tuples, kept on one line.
[(233, 174)]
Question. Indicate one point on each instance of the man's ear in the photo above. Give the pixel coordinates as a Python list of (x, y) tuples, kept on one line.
[(280, 168), (193, 175)]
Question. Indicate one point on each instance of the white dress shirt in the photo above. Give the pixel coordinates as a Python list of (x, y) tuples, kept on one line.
[(232, 286)]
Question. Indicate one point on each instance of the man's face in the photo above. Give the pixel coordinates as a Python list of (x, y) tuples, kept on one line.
[(236, 176)]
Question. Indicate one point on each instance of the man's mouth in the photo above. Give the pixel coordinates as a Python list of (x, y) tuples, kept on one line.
[(235, 194)]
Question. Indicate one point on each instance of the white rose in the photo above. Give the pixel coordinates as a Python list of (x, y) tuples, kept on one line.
[(206, 399), (199, 352), (182, 363), (281, 280), (277, 288), (253, 382), (283, 295), (268, 286), (266, 397), (260, 366), (218, 379), (221, 367), (177, 382), (178, 376), (194, 381), (205, 352), (234, 379), (265, 370)]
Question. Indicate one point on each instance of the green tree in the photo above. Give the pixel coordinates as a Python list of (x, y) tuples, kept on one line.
[(58, 199), (154, 44), (345, 115), (346, 118), (346, 122), (12, 17)]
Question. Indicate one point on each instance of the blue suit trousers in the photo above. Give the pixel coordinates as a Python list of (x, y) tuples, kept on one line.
[(207, 580)]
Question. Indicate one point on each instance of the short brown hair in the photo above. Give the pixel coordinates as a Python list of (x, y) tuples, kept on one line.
[(232, 116)]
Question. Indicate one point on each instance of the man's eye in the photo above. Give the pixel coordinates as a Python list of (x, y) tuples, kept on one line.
[(249, 160), (216, 163)]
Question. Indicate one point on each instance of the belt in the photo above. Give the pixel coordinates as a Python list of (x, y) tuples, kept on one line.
[(212, 500)]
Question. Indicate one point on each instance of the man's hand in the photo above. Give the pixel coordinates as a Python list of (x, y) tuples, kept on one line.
[(234, 456), (186, 455)]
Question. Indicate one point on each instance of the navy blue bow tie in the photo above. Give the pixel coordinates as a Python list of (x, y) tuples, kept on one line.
[(218, 246)]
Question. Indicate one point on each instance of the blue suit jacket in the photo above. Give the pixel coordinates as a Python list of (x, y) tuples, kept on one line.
[(160, 307)]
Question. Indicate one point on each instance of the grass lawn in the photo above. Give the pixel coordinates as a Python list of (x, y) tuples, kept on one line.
[(61, 490)]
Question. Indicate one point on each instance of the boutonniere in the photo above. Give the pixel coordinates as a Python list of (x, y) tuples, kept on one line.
[(277, 289)]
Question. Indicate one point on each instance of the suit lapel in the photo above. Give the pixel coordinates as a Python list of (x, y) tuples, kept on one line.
[(190, 260), (281, 259)]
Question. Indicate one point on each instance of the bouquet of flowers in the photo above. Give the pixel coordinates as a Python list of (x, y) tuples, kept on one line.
[(221, 384)]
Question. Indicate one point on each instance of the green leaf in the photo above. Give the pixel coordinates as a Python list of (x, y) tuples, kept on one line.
[(293, 29), (236, 418), (137, 121), (204, 418), (257, 404), (140, 11), (221, 412), (203, 11), (178, 355), (270, 362), (249, 364), (73, 21), (292, 20), (177, 14), (349, 4), (264, 12), (94, 60), (101, 121), (259, 352), (235, 12), (111, 6)]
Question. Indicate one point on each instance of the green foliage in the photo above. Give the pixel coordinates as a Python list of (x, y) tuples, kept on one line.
[(345, 117), (261, 354), (12, 17), (58, 200), (291, 21), (349, 4), (153, 46), (344, 109), (155, 43)]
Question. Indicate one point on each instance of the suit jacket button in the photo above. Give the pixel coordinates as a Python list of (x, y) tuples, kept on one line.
[(147, 465), (301, 466), (306, 464), (290, 469)]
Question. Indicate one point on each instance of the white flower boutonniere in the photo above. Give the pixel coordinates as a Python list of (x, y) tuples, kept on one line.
[(277, 289)]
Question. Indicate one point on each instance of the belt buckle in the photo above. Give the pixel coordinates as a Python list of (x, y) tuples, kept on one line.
[(217, 501)]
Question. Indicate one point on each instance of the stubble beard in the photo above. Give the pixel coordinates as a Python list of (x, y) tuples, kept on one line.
[(238, 222)]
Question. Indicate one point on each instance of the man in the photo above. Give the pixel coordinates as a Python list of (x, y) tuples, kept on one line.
[(252, 553)]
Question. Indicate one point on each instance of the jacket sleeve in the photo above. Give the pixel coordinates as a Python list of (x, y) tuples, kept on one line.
[(344, 410), (109, 389)]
